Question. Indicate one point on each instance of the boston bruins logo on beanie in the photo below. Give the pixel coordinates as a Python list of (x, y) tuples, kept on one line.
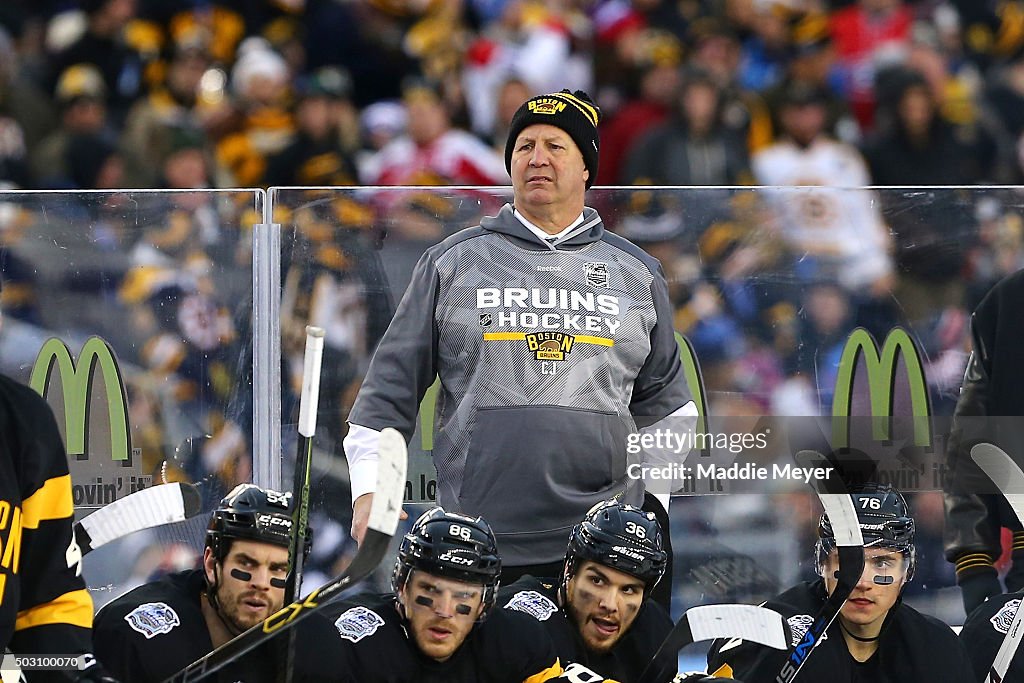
[(573, 112)]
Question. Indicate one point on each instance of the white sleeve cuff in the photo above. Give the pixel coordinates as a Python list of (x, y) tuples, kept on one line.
[(361, 446)]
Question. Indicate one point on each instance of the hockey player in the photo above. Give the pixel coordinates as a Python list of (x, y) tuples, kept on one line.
[(438, 624), (553, 341), (598, 612), (988, 410), (984, 631), (45, 608), (876, 637), (156, 630)]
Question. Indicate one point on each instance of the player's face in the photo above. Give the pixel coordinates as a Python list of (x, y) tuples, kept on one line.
[(603, 602), (870, 602), (547, 170), (441, 612), (245, 602)]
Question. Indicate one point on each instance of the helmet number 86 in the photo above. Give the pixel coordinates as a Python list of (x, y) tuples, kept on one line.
[(460, 532), (636, 530)]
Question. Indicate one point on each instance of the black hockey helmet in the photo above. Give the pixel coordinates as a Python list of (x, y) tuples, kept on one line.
[(252, 513), (452, 546), (619, 536), (885, 522)]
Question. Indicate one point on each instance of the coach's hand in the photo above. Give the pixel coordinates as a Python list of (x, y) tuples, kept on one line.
[(361, 514)]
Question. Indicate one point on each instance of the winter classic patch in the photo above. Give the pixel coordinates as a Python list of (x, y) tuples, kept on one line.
[(798, 625), (533, 603), (153, 618), (1004, 617), (357, 623)]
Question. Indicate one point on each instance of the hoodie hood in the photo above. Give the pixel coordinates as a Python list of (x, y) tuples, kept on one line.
[(589, 231)]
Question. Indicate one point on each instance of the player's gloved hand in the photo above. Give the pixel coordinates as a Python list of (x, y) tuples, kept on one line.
[(699, 678), (94, 673), (978, 587), (1015, 577)]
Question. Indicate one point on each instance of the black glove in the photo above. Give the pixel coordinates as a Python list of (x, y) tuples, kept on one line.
[(700, 678), (1015, 577), (979, 587), (94, 673)]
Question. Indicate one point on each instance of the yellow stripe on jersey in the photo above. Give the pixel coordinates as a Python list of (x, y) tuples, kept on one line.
[(73, 608), (600, 341), (504, 336), (553, 671), (519, 336), (724, 671), (51, 501)]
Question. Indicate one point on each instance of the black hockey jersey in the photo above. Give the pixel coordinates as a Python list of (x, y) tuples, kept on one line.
[(983, 633), (154, 631), (912, 647), (44, 605), (506, 648), (624, 662)]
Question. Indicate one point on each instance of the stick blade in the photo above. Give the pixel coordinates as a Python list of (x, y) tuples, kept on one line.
[(746, 622), (999, 467), (392, 462)]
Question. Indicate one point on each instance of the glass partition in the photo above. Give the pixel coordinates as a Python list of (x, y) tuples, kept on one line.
[(847, 305), (132, 312)]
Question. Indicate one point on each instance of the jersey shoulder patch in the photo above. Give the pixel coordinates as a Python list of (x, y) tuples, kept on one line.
[(357, 623), (535, 604), (798, 625), (153, 618), (1002, 619)]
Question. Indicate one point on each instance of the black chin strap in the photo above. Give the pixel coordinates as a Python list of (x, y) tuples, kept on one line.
[(856, 637), (211, 597)]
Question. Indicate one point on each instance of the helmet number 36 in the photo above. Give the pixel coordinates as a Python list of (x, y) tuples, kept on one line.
[(635, 529)]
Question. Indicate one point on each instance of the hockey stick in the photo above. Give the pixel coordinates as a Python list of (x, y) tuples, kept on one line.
[(1005, 473), (157, 505), (384, 513), (708, 622), (838, 506), (308, 403)]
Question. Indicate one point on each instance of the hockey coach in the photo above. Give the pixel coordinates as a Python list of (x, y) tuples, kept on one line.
[(553, 341), (155, 630)]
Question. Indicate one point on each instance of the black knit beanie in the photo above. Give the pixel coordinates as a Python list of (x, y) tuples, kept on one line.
[(573, 112)]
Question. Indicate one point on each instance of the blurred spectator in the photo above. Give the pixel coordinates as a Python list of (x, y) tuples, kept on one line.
[(263, 126), (103, 45), (432, 152), (716, 49), (319, 155), (379, 124), (81, 96), (868, 35), (811, 63), (694, 147), (513, 92), (93, 163), (657, 97), (171, 105), (923, 149), (1005, 98), (21, 98)]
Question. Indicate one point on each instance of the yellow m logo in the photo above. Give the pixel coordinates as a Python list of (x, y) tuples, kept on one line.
[(77, 382), (881, 376)]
